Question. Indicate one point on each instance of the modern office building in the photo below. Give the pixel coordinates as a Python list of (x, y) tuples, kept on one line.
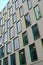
[(21, 33)]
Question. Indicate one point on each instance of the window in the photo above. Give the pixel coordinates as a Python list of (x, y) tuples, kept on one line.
[(42, 42), (8, 24), (5, 61), (29, 4), (10, 11), (2, 52), (9, 48), (16, 43), (16, 4), (12, 32), (25, 38), (23, 1), (27, 20), (21, 11), (5, 37), (0, 62), (14, 17), (33, 53), (5, 26), (35, 31), (37, 12), (22, 57), (19, 26), (13, 59)]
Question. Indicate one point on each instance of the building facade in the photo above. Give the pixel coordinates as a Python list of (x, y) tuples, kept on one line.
[(21, 33)]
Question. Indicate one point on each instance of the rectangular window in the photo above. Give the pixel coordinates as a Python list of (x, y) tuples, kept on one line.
[(16, 43), (21, 11), (16, 4), (39, 0), (9, 48), (14, 17), (5, 61), (10, 11), (5, 37), (3, 29), (12, 32), (8, 24), (25, 38), (33, 53), (19, 29), (13, 59), (2, 52), (37, 12), (22, 57), (29, 3), (27, 20), (5, 26), (35, 32)]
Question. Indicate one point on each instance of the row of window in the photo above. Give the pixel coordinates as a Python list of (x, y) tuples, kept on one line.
[(22, 56), (10, 34)]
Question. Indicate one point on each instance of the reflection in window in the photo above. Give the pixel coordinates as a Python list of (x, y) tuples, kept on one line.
[(16, 4), (9, 48), (37, 12), (5, 61), (13, 59), (29, 4), (19, 26), (35, 32), (16, 43), (25, 38), (22, 57), (27, 20), (21, 11), (33, 53)]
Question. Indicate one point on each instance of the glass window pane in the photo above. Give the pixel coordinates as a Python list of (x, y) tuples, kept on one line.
[(21, 11), (5, 61), (35, 32), (16, 4), (16, 43), (9, 48), (29, 4), (33, 53), (5, 37), (23, 1), (12, 32), (22, 57), (27, 20), (25, 38), (19, 26), (13, 59), (14, 17), (37, 12)]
